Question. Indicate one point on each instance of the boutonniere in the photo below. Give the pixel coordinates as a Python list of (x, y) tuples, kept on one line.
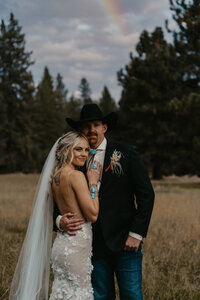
[(115, 165)]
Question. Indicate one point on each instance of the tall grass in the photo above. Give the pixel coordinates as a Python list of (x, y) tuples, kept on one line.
[(171, 263), (16, 198)]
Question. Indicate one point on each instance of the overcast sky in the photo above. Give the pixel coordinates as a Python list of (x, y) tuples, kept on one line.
[(84, 38)]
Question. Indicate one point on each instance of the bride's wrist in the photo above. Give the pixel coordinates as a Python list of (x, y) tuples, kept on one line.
[(93, 190), (93, 183)]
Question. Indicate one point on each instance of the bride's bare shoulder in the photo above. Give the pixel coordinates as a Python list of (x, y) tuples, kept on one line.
[(76, 176), (73, 176)]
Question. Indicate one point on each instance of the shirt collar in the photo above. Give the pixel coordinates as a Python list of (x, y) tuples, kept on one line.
[(103, 144)]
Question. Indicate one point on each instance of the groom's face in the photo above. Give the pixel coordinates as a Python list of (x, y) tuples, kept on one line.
[(94, 131)]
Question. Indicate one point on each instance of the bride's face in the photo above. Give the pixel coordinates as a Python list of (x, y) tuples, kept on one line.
[(80, 153)]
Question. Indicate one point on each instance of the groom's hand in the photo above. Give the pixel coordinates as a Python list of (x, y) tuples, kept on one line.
[(69, 224), (132, 244)]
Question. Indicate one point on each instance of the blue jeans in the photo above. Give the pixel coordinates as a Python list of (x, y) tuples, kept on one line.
[(128, 269)]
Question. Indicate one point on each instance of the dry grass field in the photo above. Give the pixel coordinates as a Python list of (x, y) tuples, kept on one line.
[(171, 264)]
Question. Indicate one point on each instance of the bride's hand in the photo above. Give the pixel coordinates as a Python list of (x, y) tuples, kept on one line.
[(93, 175)]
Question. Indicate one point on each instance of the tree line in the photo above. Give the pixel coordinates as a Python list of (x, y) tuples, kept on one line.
[(159, 108)]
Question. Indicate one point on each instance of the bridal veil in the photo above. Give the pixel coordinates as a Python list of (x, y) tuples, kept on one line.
[(31, 277)]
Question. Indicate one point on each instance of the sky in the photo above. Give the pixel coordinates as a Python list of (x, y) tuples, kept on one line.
[(84, 38)]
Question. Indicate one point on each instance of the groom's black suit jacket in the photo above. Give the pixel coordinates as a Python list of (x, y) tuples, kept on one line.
[(126, 201)]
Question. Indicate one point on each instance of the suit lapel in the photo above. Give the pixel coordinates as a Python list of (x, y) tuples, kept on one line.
[(108, 154)]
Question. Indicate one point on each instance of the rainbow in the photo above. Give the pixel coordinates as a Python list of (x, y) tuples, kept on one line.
[(112, 10)]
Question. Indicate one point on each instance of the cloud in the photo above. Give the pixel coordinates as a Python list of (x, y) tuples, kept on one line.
[(77, 94), (76, 38), (84, 27)]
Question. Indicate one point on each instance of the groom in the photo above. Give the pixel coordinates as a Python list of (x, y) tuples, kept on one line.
[(126, 201)]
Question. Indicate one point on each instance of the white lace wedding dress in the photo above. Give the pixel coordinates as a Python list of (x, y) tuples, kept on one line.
[(71, 262)]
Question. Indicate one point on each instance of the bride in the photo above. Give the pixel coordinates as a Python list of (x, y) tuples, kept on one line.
[(71, 255)]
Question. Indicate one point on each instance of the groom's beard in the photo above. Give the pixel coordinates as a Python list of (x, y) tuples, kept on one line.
[(92, 138)]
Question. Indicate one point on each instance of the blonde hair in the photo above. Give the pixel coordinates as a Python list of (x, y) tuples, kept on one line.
[(65, 146)]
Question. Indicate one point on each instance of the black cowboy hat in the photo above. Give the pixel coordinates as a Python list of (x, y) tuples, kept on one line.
[(91, 112)]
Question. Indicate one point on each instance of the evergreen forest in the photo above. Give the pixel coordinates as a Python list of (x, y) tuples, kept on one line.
[(159, 108)]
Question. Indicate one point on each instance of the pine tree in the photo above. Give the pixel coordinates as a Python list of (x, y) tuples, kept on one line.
[(159, 106), (73, 109), (60, 91), (186, 108), (16, 88), (107, 103), (48, 119), (85, 90), (186, 14), (149, 83), (61, 99)]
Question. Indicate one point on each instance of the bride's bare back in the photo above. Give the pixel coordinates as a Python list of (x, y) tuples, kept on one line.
[(71, 193), (64, 194)]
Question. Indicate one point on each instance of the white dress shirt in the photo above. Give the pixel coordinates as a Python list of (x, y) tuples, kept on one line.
[(99, 156)]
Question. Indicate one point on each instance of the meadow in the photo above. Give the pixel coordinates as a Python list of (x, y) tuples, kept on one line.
[(171, 262)]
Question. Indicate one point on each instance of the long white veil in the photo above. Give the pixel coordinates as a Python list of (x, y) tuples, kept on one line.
[(31, 278)]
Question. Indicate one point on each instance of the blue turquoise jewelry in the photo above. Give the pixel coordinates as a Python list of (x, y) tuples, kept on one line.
[(91, 158), (93, 152), (94, 166), (93, 188)]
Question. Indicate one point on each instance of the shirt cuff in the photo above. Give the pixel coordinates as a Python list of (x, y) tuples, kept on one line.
[(58, 222), (135, 235)]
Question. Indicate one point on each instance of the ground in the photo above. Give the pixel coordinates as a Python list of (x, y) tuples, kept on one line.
[(171, 263)]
